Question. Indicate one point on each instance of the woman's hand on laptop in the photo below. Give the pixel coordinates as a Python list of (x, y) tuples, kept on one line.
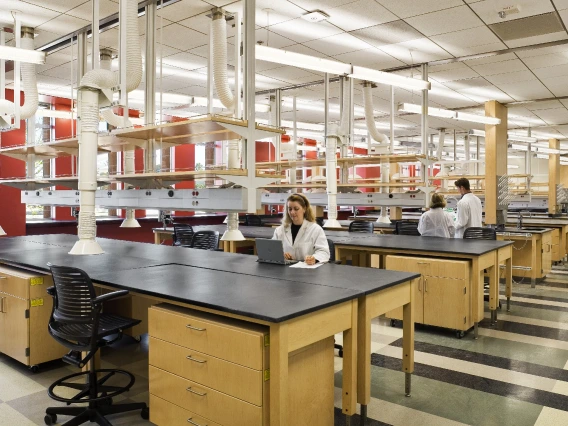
[(310, 260), (288, 256)]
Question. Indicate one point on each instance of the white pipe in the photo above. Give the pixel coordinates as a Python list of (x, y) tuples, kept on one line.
[(441, 137), (219, 41), (91, 84), (88, 144), (130, 220), (29, 84), (369, 115), (331, 177)]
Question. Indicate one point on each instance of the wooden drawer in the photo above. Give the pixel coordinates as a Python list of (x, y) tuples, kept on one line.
[(227, 377), (203, 401), (232, 340), (445, 268), (163, 412), (14, 282)]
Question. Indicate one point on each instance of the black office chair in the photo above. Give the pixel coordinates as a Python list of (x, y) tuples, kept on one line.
[(77, 322), (319, 221), (205, 240), (362, 226), (478, 233), (183, 235), (253, 220), (406, 227)]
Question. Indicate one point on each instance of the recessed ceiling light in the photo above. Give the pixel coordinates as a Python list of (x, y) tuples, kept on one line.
[(315, 16)]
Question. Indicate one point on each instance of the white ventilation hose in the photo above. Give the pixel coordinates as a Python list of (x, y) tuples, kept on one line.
[(369, 115), (220, 61), (91, 84), (29, 85), (441, 138), (108, 115), (129, 168), (331, 167)]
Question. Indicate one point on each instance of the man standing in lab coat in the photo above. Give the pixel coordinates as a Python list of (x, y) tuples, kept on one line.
[(469, 208)]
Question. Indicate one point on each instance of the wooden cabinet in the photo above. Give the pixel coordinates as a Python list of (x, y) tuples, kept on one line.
[(443, 294), (212, 370), (25, 308), (533, 251)]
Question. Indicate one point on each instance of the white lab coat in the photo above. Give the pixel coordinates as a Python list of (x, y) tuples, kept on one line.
[(436, 223), (310, 241), (469, 214)]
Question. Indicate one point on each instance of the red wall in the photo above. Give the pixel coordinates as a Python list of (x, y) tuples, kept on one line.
[(12, 211)]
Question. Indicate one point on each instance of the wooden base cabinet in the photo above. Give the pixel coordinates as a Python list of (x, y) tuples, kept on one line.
[(25, 308), (443, 295), (212, 370), (531, 250)]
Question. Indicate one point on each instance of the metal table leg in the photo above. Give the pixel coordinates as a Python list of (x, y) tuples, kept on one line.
[(363, 415), (475, 330), (407, 383)]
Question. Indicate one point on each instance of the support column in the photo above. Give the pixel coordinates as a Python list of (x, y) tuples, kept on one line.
[(553, 177), (495, 160), (150, 92)]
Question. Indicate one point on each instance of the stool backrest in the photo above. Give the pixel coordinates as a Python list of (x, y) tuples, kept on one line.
[(253, 220), (362, 226), (405, 227), (480, 233), (206, 240), (74, 292), (183, 234)]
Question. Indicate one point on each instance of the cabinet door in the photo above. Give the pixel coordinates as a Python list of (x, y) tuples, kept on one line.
[(14, 327), (446, 303), (409, 264), (546, 253)]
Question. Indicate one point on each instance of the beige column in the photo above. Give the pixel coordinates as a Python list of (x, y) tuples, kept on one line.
[(553, 177), (495, 158)]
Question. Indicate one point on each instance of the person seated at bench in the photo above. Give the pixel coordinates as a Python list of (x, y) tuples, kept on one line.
[(302, 237)]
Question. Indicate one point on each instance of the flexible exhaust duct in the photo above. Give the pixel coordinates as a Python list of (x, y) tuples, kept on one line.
[(369, 115), (130, 220), (219, 40), (331, 177), (29, 82), (91, 84)]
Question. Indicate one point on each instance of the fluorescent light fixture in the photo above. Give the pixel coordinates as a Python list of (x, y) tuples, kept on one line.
[(202, 101), (391, 79), (54, 113), (434, 112), (478, 118), (541, 150), (512, 166), (542, 156), (279, 56), (517, 138), (10, 53), (315, 16), (518, 147)]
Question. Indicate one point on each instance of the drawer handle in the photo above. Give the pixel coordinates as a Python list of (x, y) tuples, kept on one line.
[(197, 393), (195, 328), (423, 263), (425, 285), (2, 305), (193, 423), (196, 360)]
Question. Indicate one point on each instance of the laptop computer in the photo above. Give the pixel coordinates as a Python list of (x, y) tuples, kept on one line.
[(271, 251)]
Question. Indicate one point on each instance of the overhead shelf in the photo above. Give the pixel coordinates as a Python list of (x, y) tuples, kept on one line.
[(339, 185), (207, 128), (39, 183), (349, 161), (473, 177)]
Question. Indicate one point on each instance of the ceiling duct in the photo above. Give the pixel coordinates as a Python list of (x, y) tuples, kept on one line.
[(547, 23)]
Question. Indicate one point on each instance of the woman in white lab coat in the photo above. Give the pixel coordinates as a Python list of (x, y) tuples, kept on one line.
[(436, 222), (302, 237)]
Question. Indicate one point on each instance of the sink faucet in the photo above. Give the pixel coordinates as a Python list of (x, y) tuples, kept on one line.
[(520, 221)]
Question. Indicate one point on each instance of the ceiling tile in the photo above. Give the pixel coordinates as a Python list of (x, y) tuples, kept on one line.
[(454, 19), (535, 106), (199, 23), (372, 58), (186, 61), (300, 48), (499, 67), (511, 77), (310, 5), (183, 38), (560, 4), (556, 85), (472, 83), (386, 34), (408, 8), (337, 44), (32, 15), (280, 11), (291, 74), (487, 9), (44, 37), (57, 5), (526, 90), (457, 73), (486, 93), (63, 25), (553, 116), (301, 31), (183, 9), (545, 61), (359, 14), (491, 59), (546, 38), (416, 51), (469, 42), (85, 11), (550, 72), (272, 39), (53, 60)]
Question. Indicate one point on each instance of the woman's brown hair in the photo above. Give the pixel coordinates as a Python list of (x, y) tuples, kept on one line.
[(304, 202), (437, 200)]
